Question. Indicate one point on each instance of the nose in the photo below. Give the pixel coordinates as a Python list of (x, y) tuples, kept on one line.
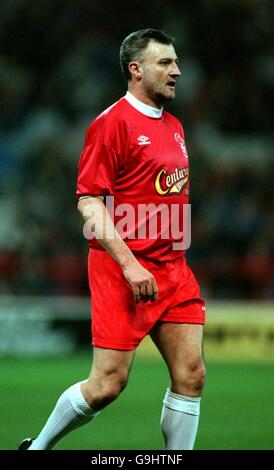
[(175, 71)]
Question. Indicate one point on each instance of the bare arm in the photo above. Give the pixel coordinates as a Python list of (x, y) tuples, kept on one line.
[(95, 213)]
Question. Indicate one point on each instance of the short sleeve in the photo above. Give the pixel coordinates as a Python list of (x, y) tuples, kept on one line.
[(97, 170)]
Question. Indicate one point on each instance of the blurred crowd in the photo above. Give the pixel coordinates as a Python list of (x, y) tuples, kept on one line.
[(59, 68)]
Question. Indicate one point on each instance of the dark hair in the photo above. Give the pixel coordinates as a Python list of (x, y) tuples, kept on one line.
[(134, 44)]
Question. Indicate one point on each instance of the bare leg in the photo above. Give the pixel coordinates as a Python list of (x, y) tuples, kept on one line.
[(108, 376), (181, 347), (82, 401)]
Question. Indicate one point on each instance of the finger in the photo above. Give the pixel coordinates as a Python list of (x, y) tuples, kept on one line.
[(149, 289), (146, 298), (150, 292), (155, 290), (136, 293), (143, 290)]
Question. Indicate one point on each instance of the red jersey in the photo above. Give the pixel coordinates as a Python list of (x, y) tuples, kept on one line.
[(137, 154)]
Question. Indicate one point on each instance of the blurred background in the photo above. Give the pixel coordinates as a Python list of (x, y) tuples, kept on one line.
[(59, 68)]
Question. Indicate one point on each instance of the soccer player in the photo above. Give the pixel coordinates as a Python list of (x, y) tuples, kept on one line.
[(140, 283)]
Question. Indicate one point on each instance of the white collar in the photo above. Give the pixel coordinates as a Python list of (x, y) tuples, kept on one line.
[(142, 107)]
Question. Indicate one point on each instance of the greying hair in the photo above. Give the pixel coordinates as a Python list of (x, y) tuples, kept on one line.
[(134, 44)]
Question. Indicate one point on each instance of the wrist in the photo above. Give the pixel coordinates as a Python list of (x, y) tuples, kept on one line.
[(127, 261)]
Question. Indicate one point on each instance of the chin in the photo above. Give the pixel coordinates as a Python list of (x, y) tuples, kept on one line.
[(165, 98)]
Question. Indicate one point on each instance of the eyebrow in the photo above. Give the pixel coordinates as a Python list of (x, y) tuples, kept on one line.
[(169, 59)]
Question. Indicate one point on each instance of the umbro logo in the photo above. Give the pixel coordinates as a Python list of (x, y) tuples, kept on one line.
[(143, 140)]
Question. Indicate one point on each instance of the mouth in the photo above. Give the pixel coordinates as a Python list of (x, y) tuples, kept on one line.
[(171, 84)]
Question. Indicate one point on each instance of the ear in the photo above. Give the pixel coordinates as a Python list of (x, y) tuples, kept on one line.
[(135, 69)]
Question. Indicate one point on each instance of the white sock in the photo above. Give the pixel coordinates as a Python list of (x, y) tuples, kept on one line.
[(71, 411), (179, 421)]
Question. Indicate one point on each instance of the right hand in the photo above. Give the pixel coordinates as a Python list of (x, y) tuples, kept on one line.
[(142, 281)]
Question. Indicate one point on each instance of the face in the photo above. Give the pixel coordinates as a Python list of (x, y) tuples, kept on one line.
[(158, 69)]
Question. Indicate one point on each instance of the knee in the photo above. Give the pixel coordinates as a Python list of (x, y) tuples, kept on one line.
[(190, 380), (199, 376), (103, 389)]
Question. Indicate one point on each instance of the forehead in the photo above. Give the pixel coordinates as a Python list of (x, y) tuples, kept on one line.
[(156, 50)]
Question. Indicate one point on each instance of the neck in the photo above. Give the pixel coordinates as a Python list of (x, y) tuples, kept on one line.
[(143, 108), (139, 95)]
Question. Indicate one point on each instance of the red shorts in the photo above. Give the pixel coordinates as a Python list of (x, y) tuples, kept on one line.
[(118, 322)]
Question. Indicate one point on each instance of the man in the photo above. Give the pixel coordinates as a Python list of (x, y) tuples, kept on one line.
[(135, 152)]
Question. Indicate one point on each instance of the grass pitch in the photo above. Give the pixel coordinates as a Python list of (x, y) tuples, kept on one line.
[(236, 412)]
